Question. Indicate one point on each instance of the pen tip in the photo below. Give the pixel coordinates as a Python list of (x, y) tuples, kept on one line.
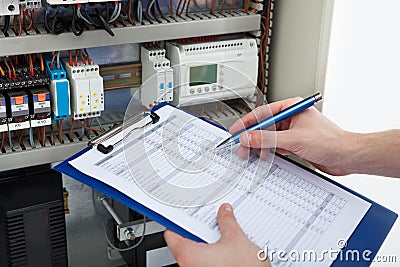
[(224, 143)]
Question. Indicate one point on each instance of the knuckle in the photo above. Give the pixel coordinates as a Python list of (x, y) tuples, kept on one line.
[(226, 216), (233, 233)]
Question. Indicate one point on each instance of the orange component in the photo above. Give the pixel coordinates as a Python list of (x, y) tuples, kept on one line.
[(19, 100), (41, 97)]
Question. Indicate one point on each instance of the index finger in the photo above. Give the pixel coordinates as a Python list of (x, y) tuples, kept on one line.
[(261, 113)]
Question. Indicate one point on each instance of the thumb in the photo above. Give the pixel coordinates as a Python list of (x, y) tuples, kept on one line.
[(181, 248), (227, 222), (267, 139)]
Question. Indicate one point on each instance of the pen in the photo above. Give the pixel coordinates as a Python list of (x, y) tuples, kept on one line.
[(284, 114)]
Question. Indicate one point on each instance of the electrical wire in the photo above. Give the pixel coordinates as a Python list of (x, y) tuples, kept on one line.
[(41, 135), (88, 124), (129, 12), (76, 57), (101, 126), (2, 71), (178, 7), (231, 6), (140, 12), (33, 20), (13, 69), (222, 7), (31, 71), (213, 4), (18, 23), (20, 136), (27, 16), (59, 124), (148, 8), (58, 60), (11, 144), (81, 16), (58, 25), (52, 134), (246, 6), (187, 7), (6, 26), (76, 23), (8, 68), (116, 13), (71, 130), (88, 56), (159, 10), (41, 62), (152, 11), (53, 58), (171, 9), (86, 127), (3, 138), (43, 128), (45, 20), (82, 57), (55, 24), (105, 230)]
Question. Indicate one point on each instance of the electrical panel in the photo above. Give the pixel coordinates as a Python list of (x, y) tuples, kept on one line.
[(157, 77), (52, 93)]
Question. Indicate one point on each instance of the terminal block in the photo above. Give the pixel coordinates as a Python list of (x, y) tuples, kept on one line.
[(39, 107), (157, 77), (30, 4), (23, 77), (79, 90), (17, 109), (96, 89), (60, 92), (9, 7), (3, 114), (86, 89)]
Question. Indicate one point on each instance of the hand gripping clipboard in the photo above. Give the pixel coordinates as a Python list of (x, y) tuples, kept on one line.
[(368, 236)]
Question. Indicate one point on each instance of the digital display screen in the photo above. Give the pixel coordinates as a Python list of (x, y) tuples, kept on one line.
[(203, 75)]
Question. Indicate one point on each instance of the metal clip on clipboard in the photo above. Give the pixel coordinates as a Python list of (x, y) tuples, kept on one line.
[(116, 129)]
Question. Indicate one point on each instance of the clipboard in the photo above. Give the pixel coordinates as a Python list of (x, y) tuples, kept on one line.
[(368, 236)]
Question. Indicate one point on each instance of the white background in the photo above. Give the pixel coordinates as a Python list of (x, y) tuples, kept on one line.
[(363, 89)]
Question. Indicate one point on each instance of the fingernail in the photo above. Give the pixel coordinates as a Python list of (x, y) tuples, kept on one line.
[(228, 207), (245, 139)]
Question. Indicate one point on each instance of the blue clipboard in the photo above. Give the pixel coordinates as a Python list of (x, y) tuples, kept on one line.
[(368, 236)]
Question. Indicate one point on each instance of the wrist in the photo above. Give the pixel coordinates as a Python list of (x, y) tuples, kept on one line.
[(365, 153), (350, 152)]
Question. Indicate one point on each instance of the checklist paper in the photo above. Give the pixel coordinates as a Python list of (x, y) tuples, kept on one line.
[(292, 210)]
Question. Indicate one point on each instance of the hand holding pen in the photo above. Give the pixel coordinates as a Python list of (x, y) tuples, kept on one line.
[(276, 118), (308, 135)]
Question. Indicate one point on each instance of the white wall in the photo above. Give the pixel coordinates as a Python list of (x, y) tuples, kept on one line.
[(363, 89)]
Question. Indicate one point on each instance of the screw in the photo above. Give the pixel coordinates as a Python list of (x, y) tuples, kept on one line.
[(129, 234)]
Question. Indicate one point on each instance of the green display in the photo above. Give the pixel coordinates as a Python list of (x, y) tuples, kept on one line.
[(203, 75)]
